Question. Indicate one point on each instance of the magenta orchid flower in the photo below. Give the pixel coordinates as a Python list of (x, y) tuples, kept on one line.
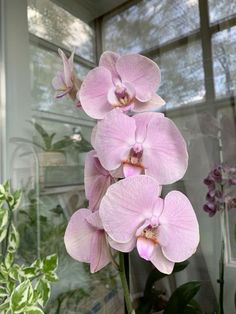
[(129, 82), (66, 82), (147, 143), (96, 180), (164, 231), (85, 239)]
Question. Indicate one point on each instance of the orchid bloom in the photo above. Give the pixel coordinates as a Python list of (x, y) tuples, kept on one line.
[(129, 82), (66, 82), (164, 231), (147, 143), (85, 239), (96, 180)]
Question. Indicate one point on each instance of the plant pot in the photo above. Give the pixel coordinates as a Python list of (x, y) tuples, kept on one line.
[(49, 159)]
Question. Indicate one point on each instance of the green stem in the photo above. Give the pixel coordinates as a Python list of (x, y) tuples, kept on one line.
[(125, 284), (221, 279)]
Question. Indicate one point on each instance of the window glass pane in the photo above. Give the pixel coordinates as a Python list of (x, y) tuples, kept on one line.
[(150, 23), (62, 159), (221, 9), (224, 51), (51, 22), (182, 75), (44, 65)]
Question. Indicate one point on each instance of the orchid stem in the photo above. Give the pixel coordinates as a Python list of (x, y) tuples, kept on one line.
[(221, 280), (125, 284)]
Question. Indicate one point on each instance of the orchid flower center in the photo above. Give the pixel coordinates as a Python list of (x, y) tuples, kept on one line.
[(150, 233), (123, 96), (135, 156)]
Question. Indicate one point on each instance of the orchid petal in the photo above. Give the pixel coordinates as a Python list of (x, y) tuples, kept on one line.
[(94, 220), (161, 262), (78, 236), (126, 205), (99, 253), (141, 72), (145, 248), (108, 60), (130, 170), (66, 69), (123, 247), (179, 230), (96, 180), (115, 135), (165, 155), (142, 121), (155, 103), (93, 92)]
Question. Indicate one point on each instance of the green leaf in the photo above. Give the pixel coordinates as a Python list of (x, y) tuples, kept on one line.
[(15, 272), (30, 272), (3, 292), (193, 308), (9, 260), (6, 186), (156, 275), (33, 310), (14, 239), (50, 263), (51, 276), (60, 145), (42, 291), (17, 198), (22, 296), (3, 223), (4, 306), (181, 297), (235, 300)]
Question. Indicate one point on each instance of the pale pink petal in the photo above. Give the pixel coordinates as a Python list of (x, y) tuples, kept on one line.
[(122, 247), (161, 262), (66, 69), (96, 180), (155, 103), (130, 170), (108, 60), (141, 72), (142, 121), (145, 248), (165, 155), (115, 135), (179, 230), (99, 254), (78, 236), (58, 81), (94, 220), (126, 205), (93, 92), (117, 173)]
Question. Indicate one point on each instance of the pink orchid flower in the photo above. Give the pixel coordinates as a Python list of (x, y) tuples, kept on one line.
[(129, 82), (96, 180), (164, 231), (66, 82), (147, 143), (85, 239)]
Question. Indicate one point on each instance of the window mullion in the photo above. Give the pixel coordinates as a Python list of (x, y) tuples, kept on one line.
[(206, 50)]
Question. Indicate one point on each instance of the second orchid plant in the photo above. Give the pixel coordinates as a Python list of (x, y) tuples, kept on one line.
[(136, 151)]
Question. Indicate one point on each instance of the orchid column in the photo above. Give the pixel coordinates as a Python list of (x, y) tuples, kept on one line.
[(135, 153)]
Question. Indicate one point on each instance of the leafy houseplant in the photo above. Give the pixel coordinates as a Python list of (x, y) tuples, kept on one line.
[(24, 289)]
